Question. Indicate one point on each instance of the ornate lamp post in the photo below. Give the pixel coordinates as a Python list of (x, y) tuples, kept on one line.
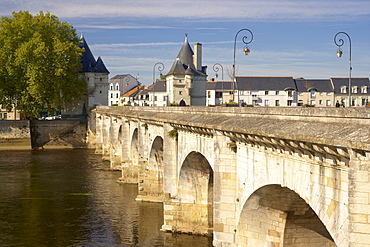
[(339, 54), (246, 52), (216, 68), (160, 68)]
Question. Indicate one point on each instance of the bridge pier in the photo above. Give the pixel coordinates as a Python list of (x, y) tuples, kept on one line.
[(359, 199)]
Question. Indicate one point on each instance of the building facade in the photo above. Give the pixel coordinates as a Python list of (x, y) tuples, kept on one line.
[(315, 92), (359, 91)]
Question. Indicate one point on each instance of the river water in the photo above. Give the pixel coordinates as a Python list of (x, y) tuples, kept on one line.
[(71, 198)]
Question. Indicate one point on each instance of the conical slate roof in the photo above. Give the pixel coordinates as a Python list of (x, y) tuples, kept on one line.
[(89, 64), (186, 54), (183, 63), (100, 66)]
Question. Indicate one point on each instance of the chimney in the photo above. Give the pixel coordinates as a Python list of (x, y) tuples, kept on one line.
[(198, 56)]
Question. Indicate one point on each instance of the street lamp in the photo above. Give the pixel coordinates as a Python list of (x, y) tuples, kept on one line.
[(160, 68), (246, 52), (216, 68), (339, 54)]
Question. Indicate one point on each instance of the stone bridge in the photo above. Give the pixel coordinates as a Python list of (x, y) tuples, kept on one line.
[(249, 176)]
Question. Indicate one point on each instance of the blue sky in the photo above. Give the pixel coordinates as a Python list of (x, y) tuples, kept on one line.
[(291, 37)]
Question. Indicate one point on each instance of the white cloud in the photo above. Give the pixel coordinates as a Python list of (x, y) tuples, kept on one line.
[(209, 10)]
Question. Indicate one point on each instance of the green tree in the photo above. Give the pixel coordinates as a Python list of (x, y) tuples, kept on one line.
[(40, 58)]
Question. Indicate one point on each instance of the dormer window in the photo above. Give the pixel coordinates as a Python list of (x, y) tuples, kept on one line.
[(117, 86), (354, 89), (313, 93), (111, 86), (343, 89), (364, 89)]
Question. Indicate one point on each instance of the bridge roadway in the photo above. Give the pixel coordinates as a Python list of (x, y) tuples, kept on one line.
[(251, 176)]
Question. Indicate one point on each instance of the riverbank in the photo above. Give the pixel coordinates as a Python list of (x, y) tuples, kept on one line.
[(15, 144)]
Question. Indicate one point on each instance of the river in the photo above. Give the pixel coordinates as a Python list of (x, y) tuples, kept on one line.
[(71, 198)]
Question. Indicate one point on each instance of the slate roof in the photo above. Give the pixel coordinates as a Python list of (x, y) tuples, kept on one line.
[(320, 85), (218, 85), (159, 86), (119, 76), (183, 64), (264, 83), (358, 81), (89, 64)]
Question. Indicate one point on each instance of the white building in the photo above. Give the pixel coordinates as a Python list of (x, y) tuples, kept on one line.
[(266, 91), (158, 94), (360, 90), (118, 86)]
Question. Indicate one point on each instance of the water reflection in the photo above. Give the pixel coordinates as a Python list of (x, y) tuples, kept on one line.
[(71, 198)]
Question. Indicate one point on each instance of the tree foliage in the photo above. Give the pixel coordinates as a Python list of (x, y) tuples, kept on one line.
[(40, 58)]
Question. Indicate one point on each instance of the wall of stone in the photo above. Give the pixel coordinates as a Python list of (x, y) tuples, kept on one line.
[(14, 129), (58, 134)]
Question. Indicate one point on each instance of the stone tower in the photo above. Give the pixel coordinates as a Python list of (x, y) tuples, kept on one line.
[(187, 77), (96, 75)]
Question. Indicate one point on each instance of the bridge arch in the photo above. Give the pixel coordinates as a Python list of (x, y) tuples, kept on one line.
[(135, 146), (151, 178), (277, 216), (196, 192)]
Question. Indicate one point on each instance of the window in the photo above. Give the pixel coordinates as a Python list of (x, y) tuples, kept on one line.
[(111, 103), (364, 89), (266, 92), (5, 115), (117, 87), (267, 102), (116, 95), (101, 92), (111, 95), (354, 89), (1, 115), (343, 89), (111, 86), (101, 79), (328, 102), (320, 102), (277, 102), (209, 94), (312, 102), (277, 93), (180, 92), (312, 93)]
